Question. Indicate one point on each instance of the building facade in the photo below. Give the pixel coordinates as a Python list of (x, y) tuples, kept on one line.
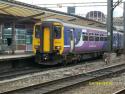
[(23, 37), (118, 22), (96, 15)]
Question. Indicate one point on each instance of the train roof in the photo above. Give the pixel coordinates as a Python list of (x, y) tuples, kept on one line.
[(80, 26)]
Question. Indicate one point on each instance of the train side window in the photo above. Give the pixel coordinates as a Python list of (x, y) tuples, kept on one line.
[(91, 38), (96, 38), (85, 38), (101, 39), (57, 32), (114, 37), (105, 39), (37, 31)]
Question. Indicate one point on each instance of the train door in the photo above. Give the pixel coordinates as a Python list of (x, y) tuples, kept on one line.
[(46, 39), (72, 41)]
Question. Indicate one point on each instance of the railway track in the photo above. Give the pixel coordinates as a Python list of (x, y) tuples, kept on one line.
[(17, 67), (18, 72), (15, 64), (34, 68), (122, 91), (64, 83)]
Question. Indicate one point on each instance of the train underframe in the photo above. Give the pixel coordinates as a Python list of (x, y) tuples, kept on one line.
[(55, 58)]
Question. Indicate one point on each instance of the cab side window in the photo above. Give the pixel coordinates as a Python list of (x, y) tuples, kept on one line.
[(37, 31)]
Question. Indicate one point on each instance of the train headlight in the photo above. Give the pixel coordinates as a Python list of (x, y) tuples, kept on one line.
[(57, 47), (36, 46)]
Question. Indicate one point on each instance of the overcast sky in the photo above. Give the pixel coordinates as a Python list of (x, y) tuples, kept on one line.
[(79, 10)]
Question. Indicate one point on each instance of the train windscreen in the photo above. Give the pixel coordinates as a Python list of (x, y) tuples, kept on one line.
[(57, 32)]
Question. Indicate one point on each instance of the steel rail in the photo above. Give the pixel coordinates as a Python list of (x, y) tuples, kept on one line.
[(34, 68), (122, 91), (64, 83)]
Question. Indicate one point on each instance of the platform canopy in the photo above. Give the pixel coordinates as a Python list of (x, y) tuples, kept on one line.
[(26, 11)]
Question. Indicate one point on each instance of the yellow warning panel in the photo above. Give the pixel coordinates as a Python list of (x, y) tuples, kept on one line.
[(46, 39)]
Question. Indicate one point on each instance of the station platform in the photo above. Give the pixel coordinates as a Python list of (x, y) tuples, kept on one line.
[(15, 56)]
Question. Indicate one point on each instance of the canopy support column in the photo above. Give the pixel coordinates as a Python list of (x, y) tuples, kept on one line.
[(1, 34), (13, 38)]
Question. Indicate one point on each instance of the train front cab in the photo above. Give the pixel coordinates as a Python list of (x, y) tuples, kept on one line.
[(51, 40)]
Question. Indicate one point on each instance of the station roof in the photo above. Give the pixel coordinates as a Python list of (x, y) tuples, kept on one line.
[(26, 11)]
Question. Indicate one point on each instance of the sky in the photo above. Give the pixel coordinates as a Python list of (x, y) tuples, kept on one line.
[(79, 10)]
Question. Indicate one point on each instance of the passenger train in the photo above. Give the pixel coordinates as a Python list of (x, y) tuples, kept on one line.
[(55, 41)]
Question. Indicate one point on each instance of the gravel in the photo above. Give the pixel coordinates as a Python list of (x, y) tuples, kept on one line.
[(106, 86), (42, 77)]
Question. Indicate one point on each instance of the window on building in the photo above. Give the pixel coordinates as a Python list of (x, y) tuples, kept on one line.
[(29, 39), (7, 34), (20, 36), (21, 42)]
